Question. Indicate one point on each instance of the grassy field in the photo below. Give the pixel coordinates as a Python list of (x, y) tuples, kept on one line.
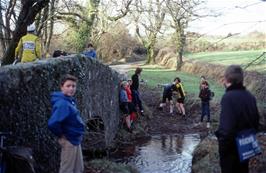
[(155, 76), (235, 57)]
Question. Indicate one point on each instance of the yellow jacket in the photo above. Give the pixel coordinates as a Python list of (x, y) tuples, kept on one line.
[(181, 91), (29, 48)]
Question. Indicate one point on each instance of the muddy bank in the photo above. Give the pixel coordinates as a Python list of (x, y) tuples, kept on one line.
[(157, 123), (254, 81), (206, 157)]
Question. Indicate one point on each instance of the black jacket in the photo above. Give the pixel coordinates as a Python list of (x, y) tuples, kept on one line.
[(205, 94), (238, 111), (135, 82)]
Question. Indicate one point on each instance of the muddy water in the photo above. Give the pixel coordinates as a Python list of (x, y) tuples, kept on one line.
[(162, 154)]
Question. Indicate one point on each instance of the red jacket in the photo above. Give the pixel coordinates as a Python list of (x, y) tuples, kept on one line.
[(129, 94)]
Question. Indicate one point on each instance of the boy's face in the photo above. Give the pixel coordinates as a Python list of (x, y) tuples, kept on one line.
[(125, 85), (69, 88)]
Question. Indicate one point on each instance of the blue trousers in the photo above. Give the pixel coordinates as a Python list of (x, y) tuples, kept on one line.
[(205, 110)]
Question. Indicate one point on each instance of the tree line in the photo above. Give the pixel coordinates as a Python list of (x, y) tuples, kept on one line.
[(90, 19)]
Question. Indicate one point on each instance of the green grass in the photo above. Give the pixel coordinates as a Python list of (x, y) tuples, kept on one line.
[(234, 57), (155, 76)]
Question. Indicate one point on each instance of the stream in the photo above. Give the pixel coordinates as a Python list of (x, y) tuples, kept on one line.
[(161, 154)]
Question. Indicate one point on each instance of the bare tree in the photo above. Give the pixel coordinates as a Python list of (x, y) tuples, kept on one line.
[(149, 19), (181, 12), (79, 18), (8, 18), (2, 41), (26, 15), (109, 14)]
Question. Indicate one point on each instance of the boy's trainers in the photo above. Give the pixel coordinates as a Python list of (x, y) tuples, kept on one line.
[(208, 125)]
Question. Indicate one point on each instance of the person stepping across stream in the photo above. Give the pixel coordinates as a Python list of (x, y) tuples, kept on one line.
[(167, 94)]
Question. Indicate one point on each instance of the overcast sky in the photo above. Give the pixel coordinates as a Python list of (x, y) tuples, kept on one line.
[(237, 16)]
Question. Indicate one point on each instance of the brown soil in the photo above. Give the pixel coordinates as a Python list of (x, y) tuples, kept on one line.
[(162, 122)]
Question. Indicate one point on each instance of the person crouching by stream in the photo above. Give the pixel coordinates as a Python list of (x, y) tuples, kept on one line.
[(124, 102), (168, 94), (67, 125)]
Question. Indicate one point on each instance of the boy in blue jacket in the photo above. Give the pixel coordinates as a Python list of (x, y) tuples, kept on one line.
[(67, 125)]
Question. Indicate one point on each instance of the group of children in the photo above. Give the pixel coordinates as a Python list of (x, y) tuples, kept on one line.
[(126, 105), (129, 99), (176, 88)]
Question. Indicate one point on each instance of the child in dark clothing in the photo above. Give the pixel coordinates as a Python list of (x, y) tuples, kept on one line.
[(205, 96)]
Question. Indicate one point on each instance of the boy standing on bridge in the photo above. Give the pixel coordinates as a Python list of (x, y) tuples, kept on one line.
[(29, 46), (67, 125)]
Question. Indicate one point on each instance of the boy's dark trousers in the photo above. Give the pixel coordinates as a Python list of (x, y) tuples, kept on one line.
[(205, 110), (229, 160), (136, 99)]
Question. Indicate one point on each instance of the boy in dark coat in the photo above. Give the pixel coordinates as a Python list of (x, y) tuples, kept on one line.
[(238, 112), (135, 89), (205, 96)]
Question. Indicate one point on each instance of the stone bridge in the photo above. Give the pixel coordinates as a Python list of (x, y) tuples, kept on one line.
[(25, 102)]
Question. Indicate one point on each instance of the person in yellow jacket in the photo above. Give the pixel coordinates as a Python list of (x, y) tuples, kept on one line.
[(29, 46), (180, 98)]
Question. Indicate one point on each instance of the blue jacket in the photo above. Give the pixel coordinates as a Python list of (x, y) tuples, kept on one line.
[(123, 96), (66, 119), (90, 54)]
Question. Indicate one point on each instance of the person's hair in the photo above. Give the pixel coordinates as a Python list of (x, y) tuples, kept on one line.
[(205, 83), (178, 79), (68, 77), (123, 83), (58, 53), (89, 45), (203, 77), (234, 74), (138, 70)]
